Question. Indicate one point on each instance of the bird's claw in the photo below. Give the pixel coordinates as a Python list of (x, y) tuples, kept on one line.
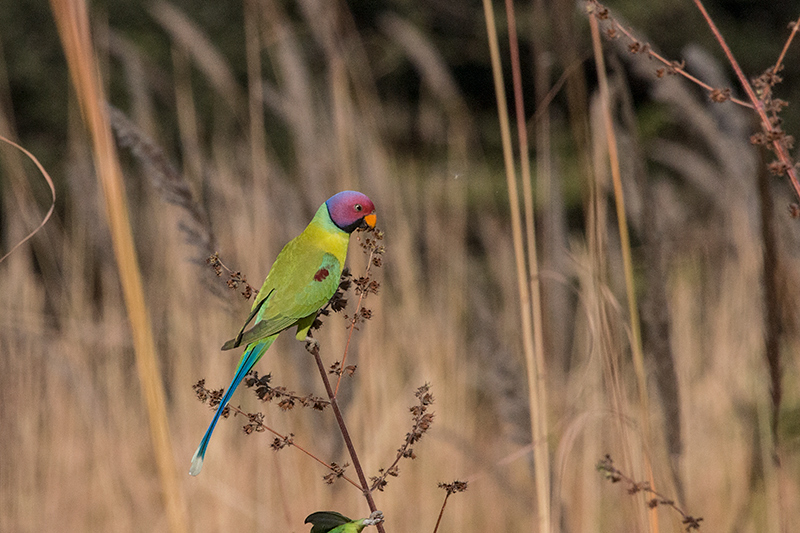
[(312, 344), (375, 518)]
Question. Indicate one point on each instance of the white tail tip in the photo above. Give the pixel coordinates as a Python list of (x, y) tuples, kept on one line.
[(197, 464)]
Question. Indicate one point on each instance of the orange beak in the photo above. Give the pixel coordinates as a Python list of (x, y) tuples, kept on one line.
[(371, 219)]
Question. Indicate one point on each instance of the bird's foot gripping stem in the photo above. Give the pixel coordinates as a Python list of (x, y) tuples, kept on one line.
[(312, 345), (374, 519)]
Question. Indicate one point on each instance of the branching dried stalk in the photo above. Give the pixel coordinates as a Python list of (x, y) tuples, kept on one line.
[(422, 422), (450, 488), (364, 286), (288, 399), (613, 474), (313, 349), (776, 138), (235, 278), (759, 91), (256, 424)]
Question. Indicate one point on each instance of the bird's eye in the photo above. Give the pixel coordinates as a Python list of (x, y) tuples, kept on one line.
[(358, 207)]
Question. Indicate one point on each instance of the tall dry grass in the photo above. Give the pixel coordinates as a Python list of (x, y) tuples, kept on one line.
[(77, 453)]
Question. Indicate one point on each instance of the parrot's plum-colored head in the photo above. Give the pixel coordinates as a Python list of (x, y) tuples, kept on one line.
[(351, 210)]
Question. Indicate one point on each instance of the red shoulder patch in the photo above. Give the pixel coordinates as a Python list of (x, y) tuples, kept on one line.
[(321, 274)]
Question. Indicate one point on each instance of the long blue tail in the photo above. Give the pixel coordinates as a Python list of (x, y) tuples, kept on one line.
[(249, 359)]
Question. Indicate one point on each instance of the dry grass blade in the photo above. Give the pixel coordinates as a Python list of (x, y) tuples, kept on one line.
[(535, 360), (526, 304), (73, 25), (627, 259), (625, 241), (52, 191)]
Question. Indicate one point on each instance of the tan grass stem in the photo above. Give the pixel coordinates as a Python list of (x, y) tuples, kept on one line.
[(627, 260), (535, 365), (541, 463), (52, 193), (72, 19)]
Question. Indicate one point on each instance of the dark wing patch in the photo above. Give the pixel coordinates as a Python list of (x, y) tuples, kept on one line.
[(321, 274), (235, 343), (262, 330)]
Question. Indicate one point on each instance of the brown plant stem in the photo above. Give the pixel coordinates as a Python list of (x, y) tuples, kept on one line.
[(674, 67), (543, 105), (347, 344), (314, 350), (293, 444), (615, 475), (441, 513), (353, 322), (795, 27), (758, 105), (451, 488), (526, 318), (534, 359)]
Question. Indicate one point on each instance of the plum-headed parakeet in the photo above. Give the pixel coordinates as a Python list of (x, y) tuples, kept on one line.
[(302, 279)]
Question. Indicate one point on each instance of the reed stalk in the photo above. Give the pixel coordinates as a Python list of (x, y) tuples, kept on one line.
[(627, 258), (72, 19), (530, 305), (536, 373)]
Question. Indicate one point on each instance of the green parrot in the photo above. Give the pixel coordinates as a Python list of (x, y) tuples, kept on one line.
[(304, 276), (333, 522)]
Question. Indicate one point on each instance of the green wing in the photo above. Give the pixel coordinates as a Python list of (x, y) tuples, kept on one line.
[(301, 281), (325, 521), (333, 522)]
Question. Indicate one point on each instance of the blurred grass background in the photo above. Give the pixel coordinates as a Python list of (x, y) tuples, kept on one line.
[(267, 108)]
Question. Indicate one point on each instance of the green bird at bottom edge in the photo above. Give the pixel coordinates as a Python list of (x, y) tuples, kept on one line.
[(333, 522)]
